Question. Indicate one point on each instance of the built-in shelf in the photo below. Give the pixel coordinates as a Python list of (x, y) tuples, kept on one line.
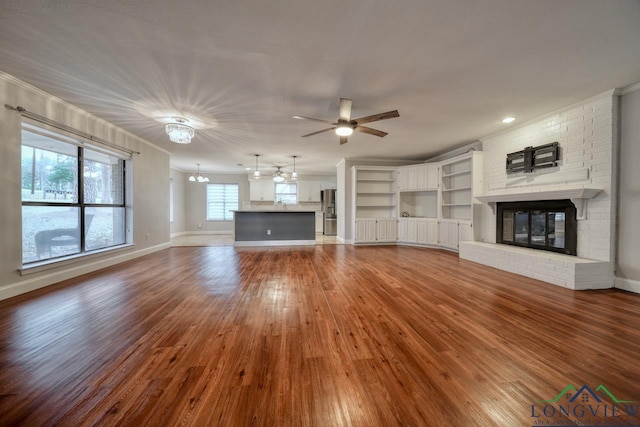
[(375, 180), (376, 206), (456, 173), (456, 189)]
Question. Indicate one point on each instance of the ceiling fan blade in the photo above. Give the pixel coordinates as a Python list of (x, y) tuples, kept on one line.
[(370, 131), (320, 131), (345, 109), (376, 117), (315, 120), (343, 140)]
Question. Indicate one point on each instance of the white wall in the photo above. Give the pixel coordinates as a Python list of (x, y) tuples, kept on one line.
[(196, 203), (628, 255), (179, 181), (587, 133), (150, 188)]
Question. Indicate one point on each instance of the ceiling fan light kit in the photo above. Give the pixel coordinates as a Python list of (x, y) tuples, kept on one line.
[(179, 132), (344, 127)]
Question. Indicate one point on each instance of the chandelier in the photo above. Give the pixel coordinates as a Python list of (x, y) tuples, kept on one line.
[(198, 177), (179, 132)]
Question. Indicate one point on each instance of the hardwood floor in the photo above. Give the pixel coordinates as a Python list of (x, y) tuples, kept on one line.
[(329, 335)]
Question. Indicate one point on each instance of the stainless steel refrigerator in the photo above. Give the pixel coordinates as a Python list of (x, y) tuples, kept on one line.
[(329, 217)]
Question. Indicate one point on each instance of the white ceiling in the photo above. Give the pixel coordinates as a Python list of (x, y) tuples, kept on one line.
[(453, 69)]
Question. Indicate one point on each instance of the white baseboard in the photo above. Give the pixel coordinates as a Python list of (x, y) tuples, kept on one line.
[(178, 234), (276, 243), (14, 289), (627, 284), (203, 232)]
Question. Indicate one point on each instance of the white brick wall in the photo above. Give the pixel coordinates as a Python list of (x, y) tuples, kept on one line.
[(562, 270), (586, 134), (587, 151)]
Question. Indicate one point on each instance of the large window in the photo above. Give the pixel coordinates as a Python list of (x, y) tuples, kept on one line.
[(73, 197), (287, 193), (222, 199)]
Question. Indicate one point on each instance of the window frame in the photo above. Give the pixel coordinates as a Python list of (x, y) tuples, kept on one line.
[(225, 211), (80, 203), (295, 193)]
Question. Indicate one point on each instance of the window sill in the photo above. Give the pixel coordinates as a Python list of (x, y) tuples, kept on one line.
[(38, 267)]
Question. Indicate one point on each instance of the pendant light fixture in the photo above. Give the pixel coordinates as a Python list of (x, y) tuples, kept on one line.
[(179, 132), (198, 177), (256, 174), (294, 174)]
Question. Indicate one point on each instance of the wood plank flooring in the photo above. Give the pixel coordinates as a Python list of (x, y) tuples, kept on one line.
[(329, 335)]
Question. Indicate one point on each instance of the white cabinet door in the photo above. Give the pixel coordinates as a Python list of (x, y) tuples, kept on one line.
[(392, 230), (412, 230), (465, 231), (412, 178), (402, 229), (449, 233), (261, 191), (381, 230), (402, 179), (360, 231), (386, 230), (371, 230), (423, 231), (255, 190), (432, 231), (433, 177), (314, 191), (308, 191), (268, 190), (303, 191), (422, 177)]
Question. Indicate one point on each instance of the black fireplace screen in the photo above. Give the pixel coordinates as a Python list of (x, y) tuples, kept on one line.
[(548, 225)]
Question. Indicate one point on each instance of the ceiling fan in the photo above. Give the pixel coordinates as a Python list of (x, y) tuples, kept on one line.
[(345, 125), (279, 175)]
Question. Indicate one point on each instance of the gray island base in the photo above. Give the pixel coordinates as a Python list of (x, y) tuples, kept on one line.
[(274, 228)]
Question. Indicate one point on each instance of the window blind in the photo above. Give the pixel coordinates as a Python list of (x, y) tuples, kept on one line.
[(221, 200)]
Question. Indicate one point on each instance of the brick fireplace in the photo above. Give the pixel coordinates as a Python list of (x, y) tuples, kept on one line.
[(584, 176)]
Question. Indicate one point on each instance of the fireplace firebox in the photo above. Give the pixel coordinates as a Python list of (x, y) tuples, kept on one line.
[(548, 225)]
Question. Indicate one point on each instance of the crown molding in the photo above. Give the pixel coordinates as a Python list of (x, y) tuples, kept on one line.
[(629, 89)]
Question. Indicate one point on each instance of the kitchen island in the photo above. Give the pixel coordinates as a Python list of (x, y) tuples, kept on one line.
[(274, 228)]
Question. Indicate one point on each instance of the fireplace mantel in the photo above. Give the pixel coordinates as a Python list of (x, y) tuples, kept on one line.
[(578, 196)]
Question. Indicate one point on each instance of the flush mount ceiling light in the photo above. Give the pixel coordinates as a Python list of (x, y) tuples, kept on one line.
[(256, 174), (508, 119), (294, 174), (179, 132), (344, 129), (198, 177)]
